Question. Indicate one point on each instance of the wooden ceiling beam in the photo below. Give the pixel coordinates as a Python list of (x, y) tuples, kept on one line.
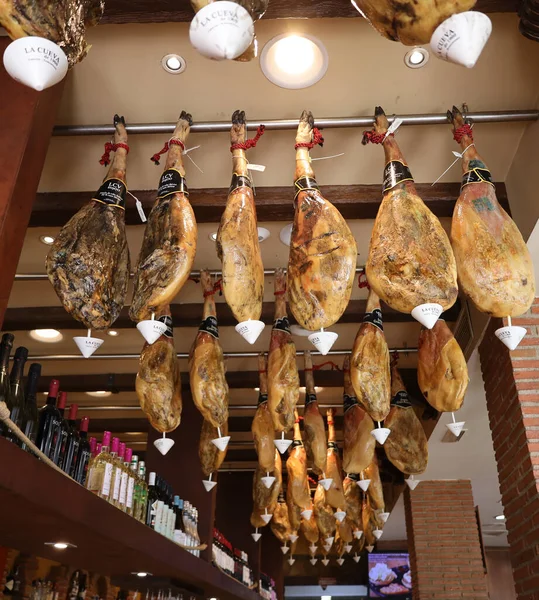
[(186, 315), (164, 11), (54, 209)]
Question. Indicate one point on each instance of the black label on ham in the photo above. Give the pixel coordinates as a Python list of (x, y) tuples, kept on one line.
[(262, 398), (305, 183), (395, 172), (374, 318), (477, 175), (210, 326), (282, 324), (333, 446), (401, 399), (353, 476), (172, 182), (348, 402), (310, 398), (112, 192), (239, 181), (296, 443), (167, 320)]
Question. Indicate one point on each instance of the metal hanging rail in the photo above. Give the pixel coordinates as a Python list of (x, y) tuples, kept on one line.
[(53, 357), (502, 116), (231, 407)]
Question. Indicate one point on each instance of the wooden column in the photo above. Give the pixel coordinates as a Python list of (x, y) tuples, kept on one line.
[(26, 121)]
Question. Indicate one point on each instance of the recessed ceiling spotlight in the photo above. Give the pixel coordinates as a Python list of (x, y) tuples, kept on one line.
[(48, 336), (60, 545), (173, 63), (113, 333), (99, 394), (213, 236), (46, 239), (416, 58), (140, 573), (500, 518), (294, 61)]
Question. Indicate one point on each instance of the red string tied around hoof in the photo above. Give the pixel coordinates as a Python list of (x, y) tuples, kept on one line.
[(247, 144), (298, 420), (334, 366), (394, 359), (217, 287), (111, 147), (373, 137), (462, 131), (311, 480), (362, 281), (193, 279), (318, 140), (172, 142)]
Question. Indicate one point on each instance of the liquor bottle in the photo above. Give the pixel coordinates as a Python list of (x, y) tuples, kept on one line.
[(58, 452), (122, 494), (159, 505), (15, 397), (124, 485), (143, 492), (100, 470), (116, 472), (133, 477), (49, 421), (72, 443), (32, 415), (172, 519), (151, 504), (80, 467), (5, 351)]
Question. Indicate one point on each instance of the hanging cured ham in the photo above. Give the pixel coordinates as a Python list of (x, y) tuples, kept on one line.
[(442, 372), (170, 239), (280, 523), (88, 263), (370, 522), (206, 362), (310, 529), (313, 422), (359, 443), (410, 260), (354, 500), (283, 384), (158, 383), (61, 21), (369, 363), (323, 513), (298, 493), (494, 265), (335, 495), (375, 491), (264, 499), (211, 458), (262, 426), (237, 237), (323, 253), (406, 447)]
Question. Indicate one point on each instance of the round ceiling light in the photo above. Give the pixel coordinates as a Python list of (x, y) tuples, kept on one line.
[(294, 61), (173, 63), (416, 58), (48, 336), (113, 333), (99, 394), (46, 239)]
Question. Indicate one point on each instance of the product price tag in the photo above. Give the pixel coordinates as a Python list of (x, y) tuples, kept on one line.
[(253, 167)]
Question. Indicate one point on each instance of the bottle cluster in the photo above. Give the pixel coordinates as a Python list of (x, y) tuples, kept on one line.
[(233, 561)]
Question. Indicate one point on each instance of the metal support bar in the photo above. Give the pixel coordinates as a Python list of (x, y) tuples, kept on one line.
[(503, 116), (231, 407)]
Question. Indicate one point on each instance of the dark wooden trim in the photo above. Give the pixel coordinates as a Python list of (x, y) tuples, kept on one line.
[(186, 315), (162, 11), (54, 209)]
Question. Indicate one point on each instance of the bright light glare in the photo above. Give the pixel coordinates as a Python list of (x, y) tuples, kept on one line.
[(325, 597), (113, 333), (47, 239), (416, 58), (142, 574), (173, 63), (500, 518), (46, 335), (99, 394), (60, 545), (294, 54)]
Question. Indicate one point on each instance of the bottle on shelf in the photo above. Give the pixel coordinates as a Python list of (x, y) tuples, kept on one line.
[(124, 477), (31, 417), (137, 487), (58, 452), (130, 481), (160, 505), (80, 467), (141, 515), (172, 516), (100, 470), (72, 446), (5, 350), (151, 504), (15, 398), (49, 421), (117, 470)]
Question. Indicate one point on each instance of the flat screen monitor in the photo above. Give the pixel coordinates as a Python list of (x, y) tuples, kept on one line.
[(390, 576)]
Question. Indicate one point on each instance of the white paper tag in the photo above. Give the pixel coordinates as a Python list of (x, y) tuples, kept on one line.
[(260, 168), (140, 210), (393, 127)]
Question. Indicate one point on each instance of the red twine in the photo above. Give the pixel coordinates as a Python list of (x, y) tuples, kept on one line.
[(172, 142), (362, 281), (334, 366), (462, 131), (311, 480), (318, 140), (247, 144), (216, 288), (111, 147), (373, 137), (298, 420), (394, 359), (279, 293)]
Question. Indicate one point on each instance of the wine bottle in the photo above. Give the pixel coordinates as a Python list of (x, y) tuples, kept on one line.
[(15, 397), (117, 468), (31, 413), (5, 351), (123, 477), (49, 421), (127, 474), (58, 452), (141, 516), (100, 470), (80, 468), (72, 443), (131, 499), (151, 504)]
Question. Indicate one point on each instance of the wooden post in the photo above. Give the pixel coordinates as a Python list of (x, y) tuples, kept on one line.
[(26, 121)]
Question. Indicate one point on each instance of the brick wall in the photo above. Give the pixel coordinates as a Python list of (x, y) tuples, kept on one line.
[(443, 539), (512, 389)]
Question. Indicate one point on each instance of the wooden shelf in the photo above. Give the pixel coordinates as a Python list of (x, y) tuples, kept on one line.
[(39, 505)]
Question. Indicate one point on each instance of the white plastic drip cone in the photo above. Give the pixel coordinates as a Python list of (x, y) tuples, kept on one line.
[(356, 557), (313, 548), (364, 484), (383, 516), (380, 434), (221, 442), (268, 481), (369, 548), (251, 329), (313, 561), (307, 514), (87, 344), (329, 541), (282, 444), (461, 38), (293, 537), (327, 547), (164, 444), (427, 314), (323, 340), (284, 549), (35, 62), (151, 330), (326, 483), (377, 533), (256, 536), (291, 560), (340, 561), (412, 483), (266, 518), (339, 515), (358, 534), (209, 484), (511, 335), (348, 548), (325, 561), (456, 427)]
